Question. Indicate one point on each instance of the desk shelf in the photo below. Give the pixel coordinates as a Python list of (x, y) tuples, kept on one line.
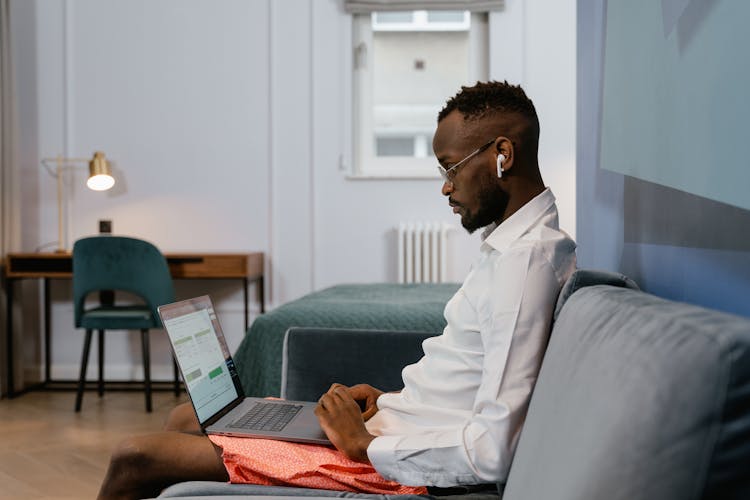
[(39, 265)]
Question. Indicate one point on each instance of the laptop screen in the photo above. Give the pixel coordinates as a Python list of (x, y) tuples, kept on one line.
[(202, 355)]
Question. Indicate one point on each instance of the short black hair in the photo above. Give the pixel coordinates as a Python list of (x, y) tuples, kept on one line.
[(487, 98)]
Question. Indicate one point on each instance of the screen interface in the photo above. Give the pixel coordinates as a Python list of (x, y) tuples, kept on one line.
[(205, 365)]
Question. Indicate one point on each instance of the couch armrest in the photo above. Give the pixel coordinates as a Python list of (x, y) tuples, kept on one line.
[(314, 358)]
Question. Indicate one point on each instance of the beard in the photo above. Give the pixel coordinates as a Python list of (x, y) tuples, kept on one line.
[(492, 204)]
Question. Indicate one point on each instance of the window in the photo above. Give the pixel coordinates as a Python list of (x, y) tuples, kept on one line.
[(406, 64)]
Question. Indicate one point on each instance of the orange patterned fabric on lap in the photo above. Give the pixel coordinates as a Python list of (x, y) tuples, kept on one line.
[(279, 463)]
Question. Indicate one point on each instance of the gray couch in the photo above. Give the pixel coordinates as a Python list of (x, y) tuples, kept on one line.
[(638, 398)]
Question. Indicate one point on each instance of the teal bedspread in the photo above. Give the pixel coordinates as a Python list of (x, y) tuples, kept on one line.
[(413, 307)]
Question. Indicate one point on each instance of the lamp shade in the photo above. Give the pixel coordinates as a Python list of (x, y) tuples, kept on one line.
[(100, 173)]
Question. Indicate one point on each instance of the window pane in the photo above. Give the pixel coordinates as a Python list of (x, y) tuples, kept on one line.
[(394, 146), (413, 74), (393, 17), (445, 16)]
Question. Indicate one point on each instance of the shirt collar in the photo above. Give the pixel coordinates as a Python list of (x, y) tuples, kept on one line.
[(500, 236)]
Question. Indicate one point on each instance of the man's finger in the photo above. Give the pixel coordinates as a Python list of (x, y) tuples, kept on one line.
[(359, 391), (369, 412), (324, 399), (342, 391), (335, 386)]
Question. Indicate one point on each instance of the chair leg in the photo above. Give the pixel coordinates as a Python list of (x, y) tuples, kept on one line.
[(146, 368), (84, 366), (176, 377), (101, 363)]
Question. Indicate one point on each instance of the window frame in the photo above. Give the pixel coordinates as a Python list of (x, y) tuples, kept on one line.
[(420, 22), (365, 163)]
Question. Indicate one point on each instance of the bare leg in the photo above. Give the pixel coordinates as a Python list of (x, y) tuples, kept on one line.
[(182, 418), (142, 466)]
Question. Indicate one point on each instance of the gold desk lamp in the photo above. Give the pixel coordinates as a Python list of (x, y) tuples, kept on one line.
[(100, 179)]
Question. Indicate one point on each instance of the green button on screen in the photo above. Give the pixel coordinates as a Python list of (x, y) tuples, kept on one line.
[(215, 372)]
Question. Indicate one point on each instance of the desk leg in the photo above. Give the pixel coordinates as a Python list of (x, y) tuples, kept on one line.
[(245, 283), (47, 329), (261, 295), (9, 339)]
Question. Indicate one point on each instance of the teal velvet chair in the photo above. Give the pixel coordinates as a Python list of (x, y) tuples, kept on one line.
[(109, 264)]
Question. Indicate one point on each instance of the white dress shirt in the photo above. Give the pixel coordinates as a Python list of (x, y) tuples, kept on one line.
[(458, 418)]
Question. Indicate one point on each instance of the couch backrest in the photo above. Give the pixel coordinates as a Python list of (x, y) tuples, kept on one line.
[(638, 398), (314, 358), (590, 277)]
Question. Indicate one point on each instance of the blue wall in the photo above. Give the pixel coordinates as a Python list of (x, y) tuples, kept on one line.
[(674, 244)]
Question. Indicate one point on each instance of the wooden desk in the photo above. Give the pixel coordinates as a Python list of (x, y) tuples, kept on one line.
[(247, 267)]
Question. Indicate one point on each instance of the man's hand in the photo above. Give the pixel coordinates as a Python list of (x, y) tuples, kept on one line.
[(367, 398), (342, 421)]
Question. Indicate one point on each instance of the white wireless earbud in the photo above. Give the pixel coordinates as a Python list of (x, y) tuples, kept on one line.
[(500, 160)]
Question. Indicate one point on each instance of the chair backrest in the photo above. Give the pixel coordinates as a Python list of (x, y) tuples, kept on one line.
[(120, 263)]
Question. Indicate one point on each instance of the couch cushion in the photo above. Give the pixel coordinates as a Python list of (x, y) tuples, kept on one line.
[(212, 489), (638, 398)]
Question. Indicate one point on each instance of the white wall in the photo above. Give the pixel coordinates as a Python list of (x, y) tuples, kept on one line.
[(534, 43), (229, 123), (673, 243)]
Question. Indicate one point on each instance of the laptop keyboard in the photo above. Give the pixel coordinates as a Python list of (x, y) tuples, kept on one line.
[(266, 417)]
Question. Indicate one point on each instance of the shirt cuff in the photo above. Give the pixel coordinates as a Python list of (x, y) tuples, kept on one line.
[(381, 453), (384, 451)]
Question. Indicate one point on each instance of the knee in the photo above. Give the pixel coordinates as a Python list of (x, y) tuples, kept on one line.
[(128, 471), (182, 418), (131, 457)]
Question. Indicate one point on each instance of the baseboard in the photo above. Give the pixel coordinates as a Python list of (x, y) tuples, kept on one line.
[(159, 372)]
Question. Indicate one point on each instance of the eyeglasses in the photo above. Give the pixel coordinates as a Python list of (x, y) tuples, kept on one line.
[(448, 174)]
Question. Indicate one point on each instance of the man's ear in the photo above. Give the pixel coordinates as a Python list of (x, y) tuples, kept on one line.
[(503, 146)]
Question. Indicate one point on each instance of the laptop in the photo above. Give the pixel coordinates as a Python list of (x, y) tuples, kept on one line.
[(213, 385)]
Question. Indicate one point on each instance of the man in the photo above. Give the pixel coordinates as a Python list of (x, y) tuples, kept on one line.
[(458, 418)]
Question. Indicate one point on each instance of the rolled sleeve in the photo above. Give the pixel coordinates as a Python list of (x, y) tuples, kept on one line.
[(419, 459)]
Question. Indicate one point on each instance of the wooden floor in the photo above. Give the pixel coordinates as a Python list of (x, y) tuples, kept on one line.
[(49, 451)]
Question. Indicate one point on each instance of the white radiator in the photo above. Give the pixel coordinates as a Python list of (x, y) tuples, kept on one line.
[(422, 255)]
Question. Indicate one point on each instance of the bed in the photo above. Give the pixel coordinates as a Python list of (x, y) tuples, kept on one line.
[(382, 306)]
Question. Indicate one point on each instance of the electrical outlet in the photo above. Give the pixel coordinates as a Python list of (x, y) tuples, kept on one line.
[(105, 226)]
